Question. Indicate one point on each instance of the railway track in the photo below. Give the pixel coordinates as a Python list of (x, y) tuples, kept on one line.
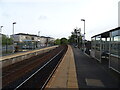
[(34, 72)]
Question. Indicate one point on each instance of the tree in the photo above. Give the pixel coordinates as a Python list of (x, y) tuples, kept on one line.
[(76, 37), (64, 41), (71, 39), (3, 39), (57, 42), (6, 40), (10, 41)]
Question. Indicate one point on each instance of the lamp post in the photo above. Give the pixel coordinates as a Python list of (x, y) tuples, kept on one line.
[(84, 33), (38, 33), (0, 42), (75, 31), (1, 28), (79, 30), (39, 39), (13, 35)]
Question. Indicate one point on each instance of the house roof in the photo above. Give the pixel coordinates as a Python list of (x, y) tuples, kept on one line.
[(27, 34), (32, 35)]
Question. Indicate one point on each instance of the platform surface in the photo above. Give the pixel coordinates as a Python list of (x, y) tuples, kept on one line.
[(93, 74), (65, 74), (23, 53)]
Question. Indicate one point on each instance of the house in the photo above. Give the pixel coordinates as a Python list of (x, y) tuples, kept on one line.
[(30, 41), (25, 41)]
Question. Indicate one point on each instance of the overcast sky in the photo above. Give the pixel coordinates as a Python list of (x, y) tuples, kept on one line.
[(58, 18)]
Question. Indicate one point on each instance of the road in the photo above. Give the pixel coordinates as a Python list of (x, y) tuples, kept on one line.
[(92, 74)]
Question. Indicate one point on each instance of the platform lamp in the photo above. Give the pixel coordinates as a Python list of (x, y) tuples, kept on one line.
[(13, 35), (1, 28), (37, 43), (84, 33)]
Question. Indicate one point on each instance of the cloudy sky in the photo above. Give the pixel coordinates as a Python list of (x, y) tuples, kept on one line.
[(58, 18)]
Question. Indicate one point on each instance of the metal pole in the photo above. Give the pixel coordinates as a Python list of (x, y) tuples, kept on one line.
[(84, 36), (1, 29), (79, 38), (13, 36), (76, 38), (38, 40), (0, 42), (84, 33), (13, 39), (6, 44), (38, 33)]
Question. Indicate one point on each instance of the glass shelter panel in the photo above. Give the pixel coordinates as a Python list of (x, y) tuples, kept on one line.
[(92, 53), (115, 43), (93, 43), (98, 43), (107, 44), (103, 44), (115, 50), (98, 48)]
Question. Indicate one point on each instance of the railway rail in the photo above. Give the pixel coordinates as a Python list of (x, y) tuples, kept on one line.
[(34, 72)]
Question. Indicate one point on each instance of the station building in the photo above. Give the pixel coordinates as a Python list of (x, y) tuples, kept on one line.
[(106, 46)]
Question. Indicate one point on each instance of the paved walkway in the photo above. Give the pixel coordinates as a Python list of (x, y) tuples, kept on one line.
[(65, 75), (92, 74)]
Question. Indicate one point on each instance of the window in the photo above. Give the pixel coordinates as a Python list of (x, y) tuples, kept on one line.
[(98, 43), (32, 38), (115, 33), (115, 45), (26, 37), (93, 43)]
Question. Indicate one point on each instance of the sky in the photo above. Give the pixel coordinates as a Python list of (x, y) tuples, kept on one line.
[(58, 18)]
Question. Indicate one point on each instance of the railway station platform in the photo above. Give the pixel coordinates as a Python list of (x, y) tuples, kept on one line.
[(17, 57), (78, 70), (23, 53), (65, 74), (93, 74)]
